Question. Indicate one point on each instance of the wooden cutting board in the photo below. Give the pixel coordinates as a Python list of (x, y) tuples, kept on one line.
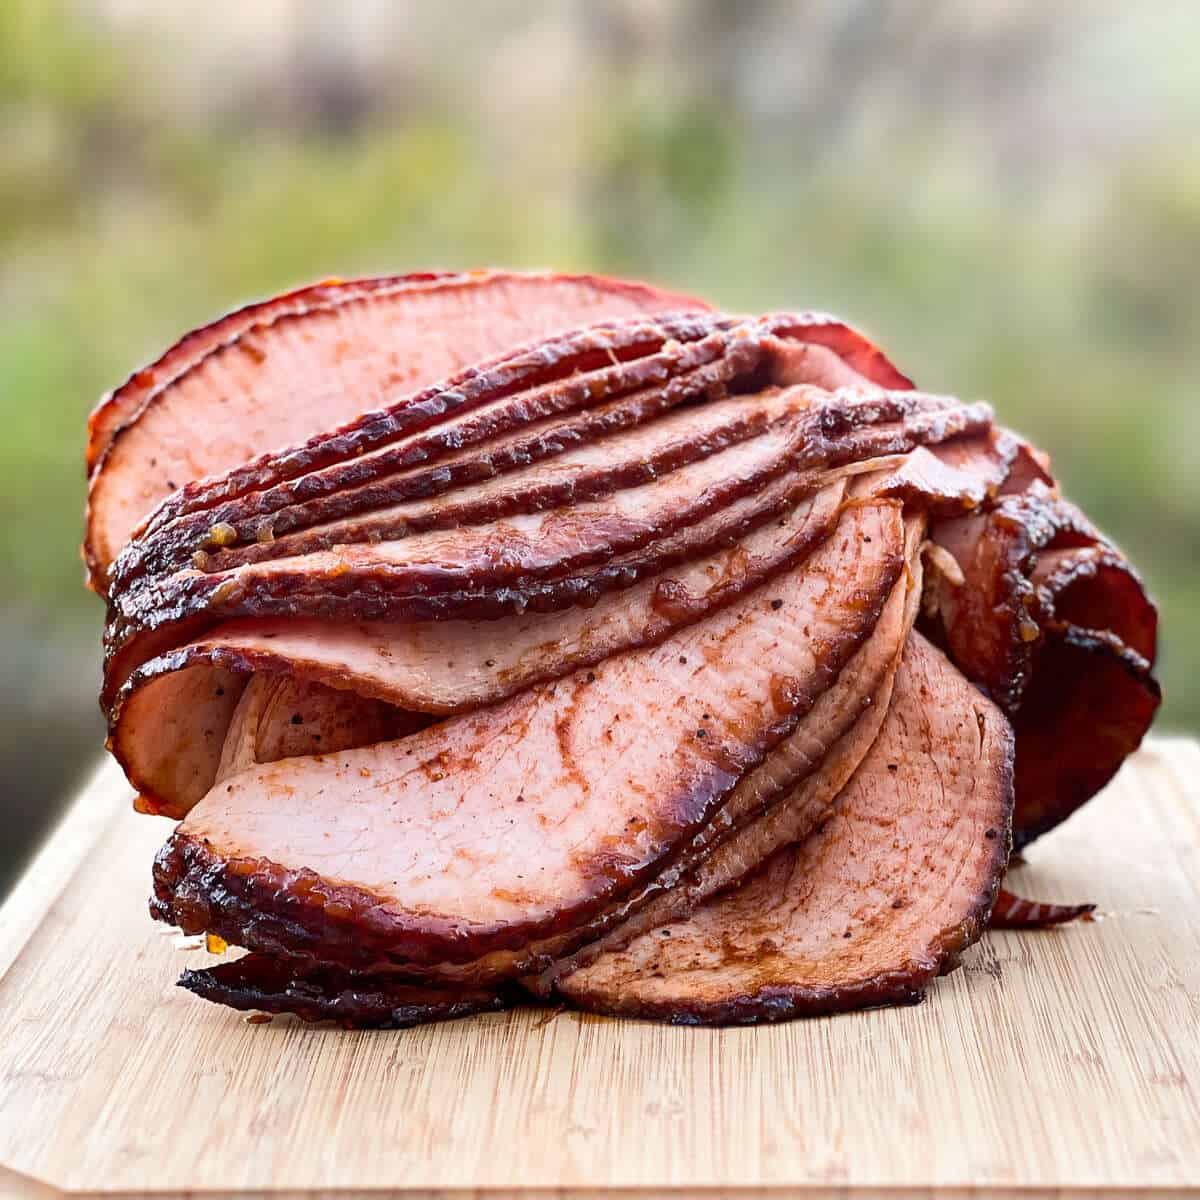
[(1067, 1059)]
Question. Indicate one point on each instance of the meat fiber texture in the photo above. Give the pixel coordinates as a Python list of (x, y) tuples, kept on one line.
[(501, 638)]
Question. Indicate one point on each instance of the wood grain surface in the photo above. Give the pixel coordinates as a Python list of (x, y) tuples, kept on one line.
[(1057, 1063)]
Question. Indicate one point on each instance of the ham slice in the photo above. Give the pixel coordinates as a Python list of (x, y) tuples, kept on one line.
[(868, 910), (1053, 622), (118, 407), (281, 371), (446, 839), (385, 1001), (439, 667), (823, 752), (790, 794), (487, 655)]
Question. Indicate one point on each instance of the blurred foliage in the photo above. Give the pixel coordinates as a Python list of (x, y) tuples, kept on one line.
[(1056, 278)]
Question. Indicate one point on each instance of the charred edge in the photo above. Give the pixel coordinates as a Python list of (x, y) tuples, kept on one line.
[(774, 1004), (1096, 572), (352, 1000), (1019, 527)]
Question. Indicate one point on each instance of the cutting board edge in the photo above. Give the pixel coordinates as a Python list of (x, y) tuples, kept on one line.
[(17, 1186), (58, 859)]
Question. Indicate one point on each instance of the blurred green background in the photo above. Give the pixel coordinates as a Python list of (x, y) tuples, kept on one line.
[(1006, 194)]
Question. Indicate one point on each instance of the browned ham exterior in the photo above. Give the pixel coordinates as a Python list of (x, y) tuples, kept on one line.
[(276, 373), (501, 637)]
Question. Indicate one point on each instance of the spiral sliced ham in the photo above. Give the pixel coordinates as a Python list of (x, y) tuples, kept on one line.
[(512, 637)]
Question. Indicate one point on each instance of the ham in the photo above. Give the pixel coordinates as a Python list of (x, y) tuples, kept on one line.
[(116, 408), (439, 667), (785, 800), (385, 1001), (1041, 611), (882, 898), (292, 367), (1014, 912), (487, 831), (521, 637)]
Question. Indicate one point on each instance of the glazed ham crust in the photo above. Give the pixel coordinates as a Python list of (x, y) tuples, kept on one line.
[(530, 636)]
